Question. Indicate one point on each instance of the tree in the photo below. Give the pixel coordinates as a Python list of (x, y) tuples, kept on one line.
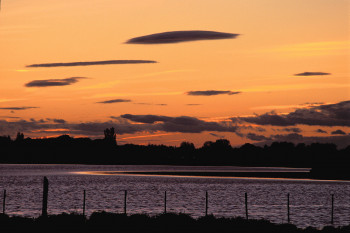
[(110, 136), (188, 146), (19, 137)]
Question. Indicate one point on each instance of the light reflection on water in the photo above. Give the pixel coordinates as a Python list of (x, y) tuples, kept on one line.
[(310, 201)]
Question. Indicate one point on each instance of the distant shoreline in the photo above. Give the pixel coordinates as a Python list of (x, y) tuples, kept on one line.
[(259, 175), (296, 175)]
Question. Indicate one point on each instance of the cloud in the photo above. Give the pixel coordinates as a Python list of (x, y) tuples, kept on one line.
[(180, 36), (11, 117), (36, 128), (294, 130), (287, 137), (17, 108), (311, 74), (259, 129), (193, 104), (146, 118), (320, 131), (255, 137), (59, 121), (324, 115), (217, 135), (341, 141), (184, 124), (125, 124), (212, 92), (92, 63), (53, 82), (152, 104), (114, 101), (340, 132)]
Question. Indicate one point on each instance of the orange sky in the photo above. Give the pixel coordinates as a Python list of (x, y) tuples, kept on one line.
[(277, 39)]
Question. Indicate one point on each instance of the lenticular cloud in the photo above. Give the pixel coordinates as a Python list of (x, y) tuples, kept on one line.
[(180, 36), (91, 63)]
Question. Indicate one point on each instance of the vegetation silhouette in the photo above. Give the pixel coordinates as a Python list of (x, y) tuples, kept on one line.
[(326, 161), (170, 222)]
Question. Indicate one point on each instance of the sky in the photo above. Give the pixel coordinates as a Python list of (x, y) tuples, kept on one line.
[(163, 72)]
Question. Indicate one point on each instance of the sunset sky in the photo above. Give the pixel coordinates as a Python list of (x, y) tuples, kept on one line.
[(247, 71)]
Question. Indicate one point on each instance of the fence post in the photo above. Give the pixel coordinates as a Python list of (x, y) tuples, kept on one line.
[(332, 212), (45, 194), (246, 206), (84, 200), (125, 194), (206, 203), (288, 214), (4, 202), (164, 202)]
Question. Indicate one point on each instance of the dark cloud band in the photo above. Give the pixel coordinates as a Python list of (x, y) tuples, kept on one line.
[(92, 63), (212, 92), (312, 74), (180, 36), (53, 82), (183, 124), (114, 101), (324, 115)]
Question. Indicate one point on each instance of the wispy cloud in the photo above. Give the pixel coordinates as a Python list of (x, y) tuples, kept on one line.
[(217, 135), (292, 87), (180, 36), (110, 95), (212, 92), (8, 100), (114, 101), (312, 74), (53, 82), (92, 63), (310, 49), (17, 108), (295, 106), (151, 104)]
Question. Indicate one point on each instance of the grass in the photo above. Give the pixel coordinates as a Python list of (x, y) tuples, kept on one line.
[(100, 222)]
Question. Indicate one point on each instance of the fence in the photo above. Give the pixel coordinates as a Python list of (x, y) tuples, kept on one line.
[(46, 188)]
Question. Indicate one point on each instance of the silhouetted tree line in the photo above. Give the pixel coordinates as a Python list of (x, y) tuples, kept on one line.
[(325, 159)]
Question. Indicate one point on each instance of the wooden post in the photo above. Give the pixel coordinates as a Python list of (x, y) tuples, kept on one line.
[(288, 215), (246, 206), (165, 202), (332, 212), (125, 194), (84, 200), (45, 194), (206, 203), (4, 202)]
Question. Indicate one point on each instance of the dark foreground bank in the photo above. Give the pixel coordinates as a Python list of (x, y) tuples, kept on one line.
[(110, 222)]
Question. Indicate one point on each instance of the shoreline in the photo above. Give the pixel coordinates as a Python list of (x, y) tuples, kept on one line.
[(217, 174)]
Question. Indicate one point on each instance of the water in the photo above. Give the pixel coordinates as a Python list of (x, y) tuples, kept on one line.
[(310, 201)]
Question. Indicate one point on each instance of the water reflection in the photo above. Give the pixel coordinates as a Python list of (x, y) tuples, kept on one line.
[(310, 201)]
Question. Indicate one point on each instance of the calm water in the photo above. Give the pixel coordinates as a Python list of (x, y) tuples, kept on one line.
[(310, 201)]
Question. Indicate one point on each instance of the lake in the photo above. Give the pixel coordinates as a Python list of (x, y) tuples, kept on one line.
[(310, 200)]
